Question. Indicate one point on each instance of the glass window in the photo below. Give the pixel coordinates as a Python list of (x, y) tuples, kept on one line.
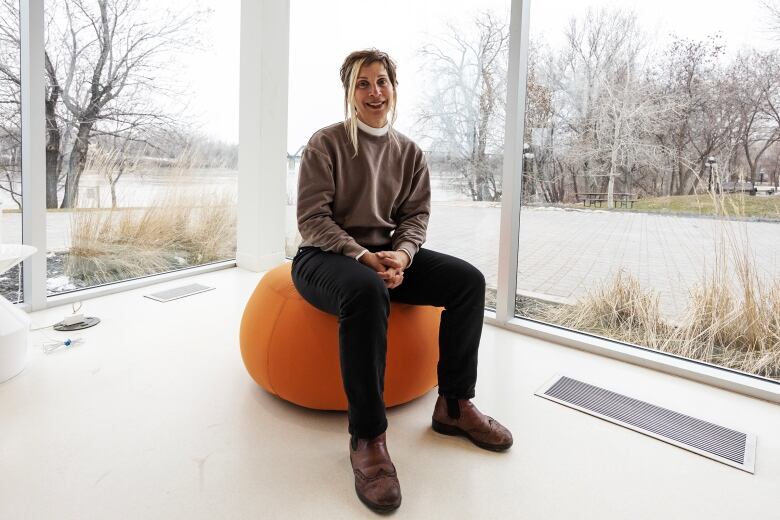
[(142, 132), (10, 144), (451, 102), (651, 207)]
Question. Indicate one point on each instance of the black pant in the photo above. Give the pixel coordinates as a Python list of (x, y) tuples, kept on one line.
[(339, 285)]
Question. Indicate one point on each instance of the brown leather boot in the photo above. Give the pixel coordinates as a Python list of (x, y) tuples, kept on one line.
[(461, 417), (376, 482)]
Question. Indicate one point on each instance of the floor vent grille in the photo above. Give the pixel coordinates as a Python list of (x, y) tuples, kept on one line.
[(722, 444), (179, 292)]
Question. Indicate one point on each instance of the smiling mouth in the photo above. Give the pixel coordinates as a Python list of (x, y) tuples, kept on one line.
[(376, 105)]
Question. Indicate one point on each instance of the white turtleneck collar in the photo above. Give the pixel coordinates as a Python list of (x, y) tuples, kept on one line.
[(379, 132)]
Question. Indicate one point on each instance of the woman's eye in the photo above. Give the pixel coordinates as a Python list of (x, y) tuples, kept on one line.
[(362, 84)]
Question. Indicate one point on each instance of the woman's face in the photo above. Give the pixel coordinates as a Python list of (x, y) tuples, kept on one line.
[(373, 94)]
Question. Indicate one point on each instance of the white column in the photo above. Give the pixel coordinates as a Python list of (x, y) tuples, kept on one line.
[(33, 152), (513, 160), (262, 156)]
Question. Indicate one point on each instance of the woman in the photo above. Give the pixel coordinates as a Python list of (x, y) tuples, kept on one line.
[(363, 207)]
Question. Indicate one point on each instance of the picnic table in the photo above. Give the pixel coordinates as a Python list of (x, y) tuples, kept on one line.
[(621, 200), (739, 187)]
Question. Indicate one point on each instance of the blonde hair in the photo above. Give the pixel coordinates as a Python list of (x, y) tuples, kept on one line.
[(350, 70)]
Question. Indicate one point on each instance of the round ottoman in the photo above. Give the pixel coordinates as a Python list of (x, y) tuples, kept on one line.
[(291, 348)]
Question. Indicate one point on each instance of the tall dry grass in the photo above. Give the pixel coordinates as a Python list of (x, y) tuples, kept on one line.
[(619, 309), (732, 317), (721, 326), (179, 229)]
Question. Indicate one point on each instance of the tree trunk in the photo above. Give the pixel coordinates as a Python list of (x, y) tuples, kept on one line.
[(112, 183), (574, 184), (113, 195), (76, 164), (53, 138)]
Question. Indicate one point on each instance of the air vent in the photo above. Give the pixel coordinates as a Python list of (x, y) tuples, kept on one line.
[(716, 442), (178, 292)]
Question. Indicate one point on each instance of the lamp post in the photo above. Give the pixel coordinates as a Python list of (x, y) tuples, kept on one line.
[(528, 157), (527, 154), (711, 162)]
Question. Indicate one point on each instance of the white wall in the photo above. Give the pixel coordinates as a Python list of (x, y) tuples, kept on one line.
[(262, 160)]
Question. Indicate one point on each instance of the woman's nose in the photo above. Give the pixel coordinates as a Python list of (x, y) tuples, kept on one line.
[(375, 90)]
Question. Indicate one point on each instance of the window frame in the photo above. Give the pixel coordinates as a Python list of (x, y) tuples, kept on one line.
[(34, 269), (510, 248), (261, 204)]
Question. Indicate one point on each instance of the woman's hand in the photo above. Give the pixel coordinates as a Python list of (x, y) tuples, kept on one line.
[(394, 259), (372, 260), (386, 267), (396, 262), (393, 277)]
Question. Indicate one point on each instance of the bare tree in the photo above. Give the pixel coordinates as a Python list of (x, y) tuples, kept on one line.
[(115, 154), (597, 64), (102, 59), (689, 74), (464, 112), (772, 8), (626, 115), (10, 102), (755, 76), (543, 178), (102, 66)]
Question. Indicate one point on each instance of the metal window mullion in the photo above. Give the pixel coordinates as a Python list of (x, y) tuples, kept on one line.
[(517, 72), (33, 151)]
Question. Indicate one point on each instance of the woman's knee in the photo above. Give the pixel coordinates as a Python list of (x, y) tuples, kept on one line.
[(472, 277), (366, 292)]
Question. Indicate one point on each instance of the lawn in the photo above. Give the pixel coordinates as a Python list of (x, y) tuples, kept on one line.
[(736, 205)]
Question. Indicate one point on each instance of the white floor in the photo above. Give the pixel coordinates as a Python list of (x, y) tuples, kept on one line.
[(154, 417)]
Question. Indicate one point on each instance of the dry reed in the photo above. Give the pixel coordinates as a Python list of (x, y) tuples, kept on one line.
[(178, 230)]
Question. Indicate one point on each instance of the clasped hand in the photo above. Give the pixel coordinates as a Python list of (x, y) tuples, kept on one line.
[(389, 265)]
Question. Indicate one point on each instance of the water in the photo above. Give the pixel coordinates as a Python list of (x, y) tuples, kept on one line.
[(145, 188), (443, 188)]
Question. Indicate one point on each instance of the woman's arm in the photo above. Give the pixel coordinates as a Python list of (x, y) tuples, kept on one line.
[(316, 190), (412, 215)]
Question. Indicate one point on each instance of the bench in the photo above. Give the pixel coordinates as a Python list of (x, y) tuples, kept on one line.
[(738, 187), (621, 200)]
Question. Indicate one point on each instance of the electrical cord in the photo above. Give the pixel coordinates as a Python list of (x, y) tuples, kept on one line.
[(55, 344), (74, 310), (44, 327)]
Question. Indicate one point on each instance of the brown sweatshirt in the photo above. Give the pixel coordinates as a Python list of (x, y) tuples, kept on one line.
[(381, 196)]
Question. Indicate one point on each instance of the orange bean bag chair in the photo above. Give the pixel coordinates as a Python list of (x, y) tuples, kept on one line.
[(291, 348)]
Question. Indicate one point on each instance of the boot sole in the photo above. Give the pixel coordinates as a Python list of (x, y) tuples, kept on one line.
[(377, 508), (454, 431)]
